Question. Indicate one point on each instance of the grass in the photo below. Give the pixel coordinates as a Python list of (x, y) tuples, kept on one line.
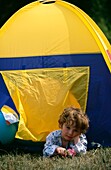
[(99, 159)]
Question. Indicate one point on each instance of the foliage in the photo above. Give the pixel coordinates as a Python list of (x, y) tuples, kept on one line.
[(99, 159)]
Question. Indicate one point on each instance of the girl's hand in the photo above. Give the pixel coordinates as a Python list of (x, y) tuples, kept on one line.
[(61, 151), (71, 152), (77, 139)]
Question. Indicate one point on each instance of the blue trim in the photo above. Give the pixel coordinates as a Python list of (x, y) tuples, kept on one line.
[(51, 61)]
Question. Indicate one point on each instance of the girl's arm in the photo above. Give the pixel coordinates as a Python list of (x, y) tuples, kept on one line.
[(52, 143), (80, 144)]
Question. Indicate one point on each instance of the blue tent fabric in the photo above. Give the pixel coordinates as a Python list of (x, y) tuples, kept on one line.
[(5, 98), (98, 106), (69, 60)]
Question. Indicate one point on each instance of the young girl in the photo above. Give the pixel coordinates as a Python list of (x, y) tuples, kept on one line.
[(70, 140)]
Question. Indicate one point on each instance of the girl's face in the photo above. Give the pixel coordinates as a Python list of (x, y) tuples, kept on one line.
[(69, 132)]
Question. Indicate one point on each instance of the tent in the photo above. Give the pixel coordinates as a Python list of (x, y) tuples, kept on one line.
[(52, 55)]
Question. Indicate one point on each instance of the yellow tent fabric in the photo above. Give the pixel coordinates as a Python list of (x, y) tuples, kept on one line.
[(100, 38), (28, 30), (40, 96), (72, 32)]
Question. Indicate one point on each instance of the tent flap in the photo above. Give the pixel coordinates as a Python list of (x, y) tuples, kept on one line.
[(40, 95)]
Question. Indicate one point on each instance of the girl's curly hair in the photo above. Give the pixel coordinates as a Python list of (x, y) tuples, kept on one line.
[(72, 115)]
